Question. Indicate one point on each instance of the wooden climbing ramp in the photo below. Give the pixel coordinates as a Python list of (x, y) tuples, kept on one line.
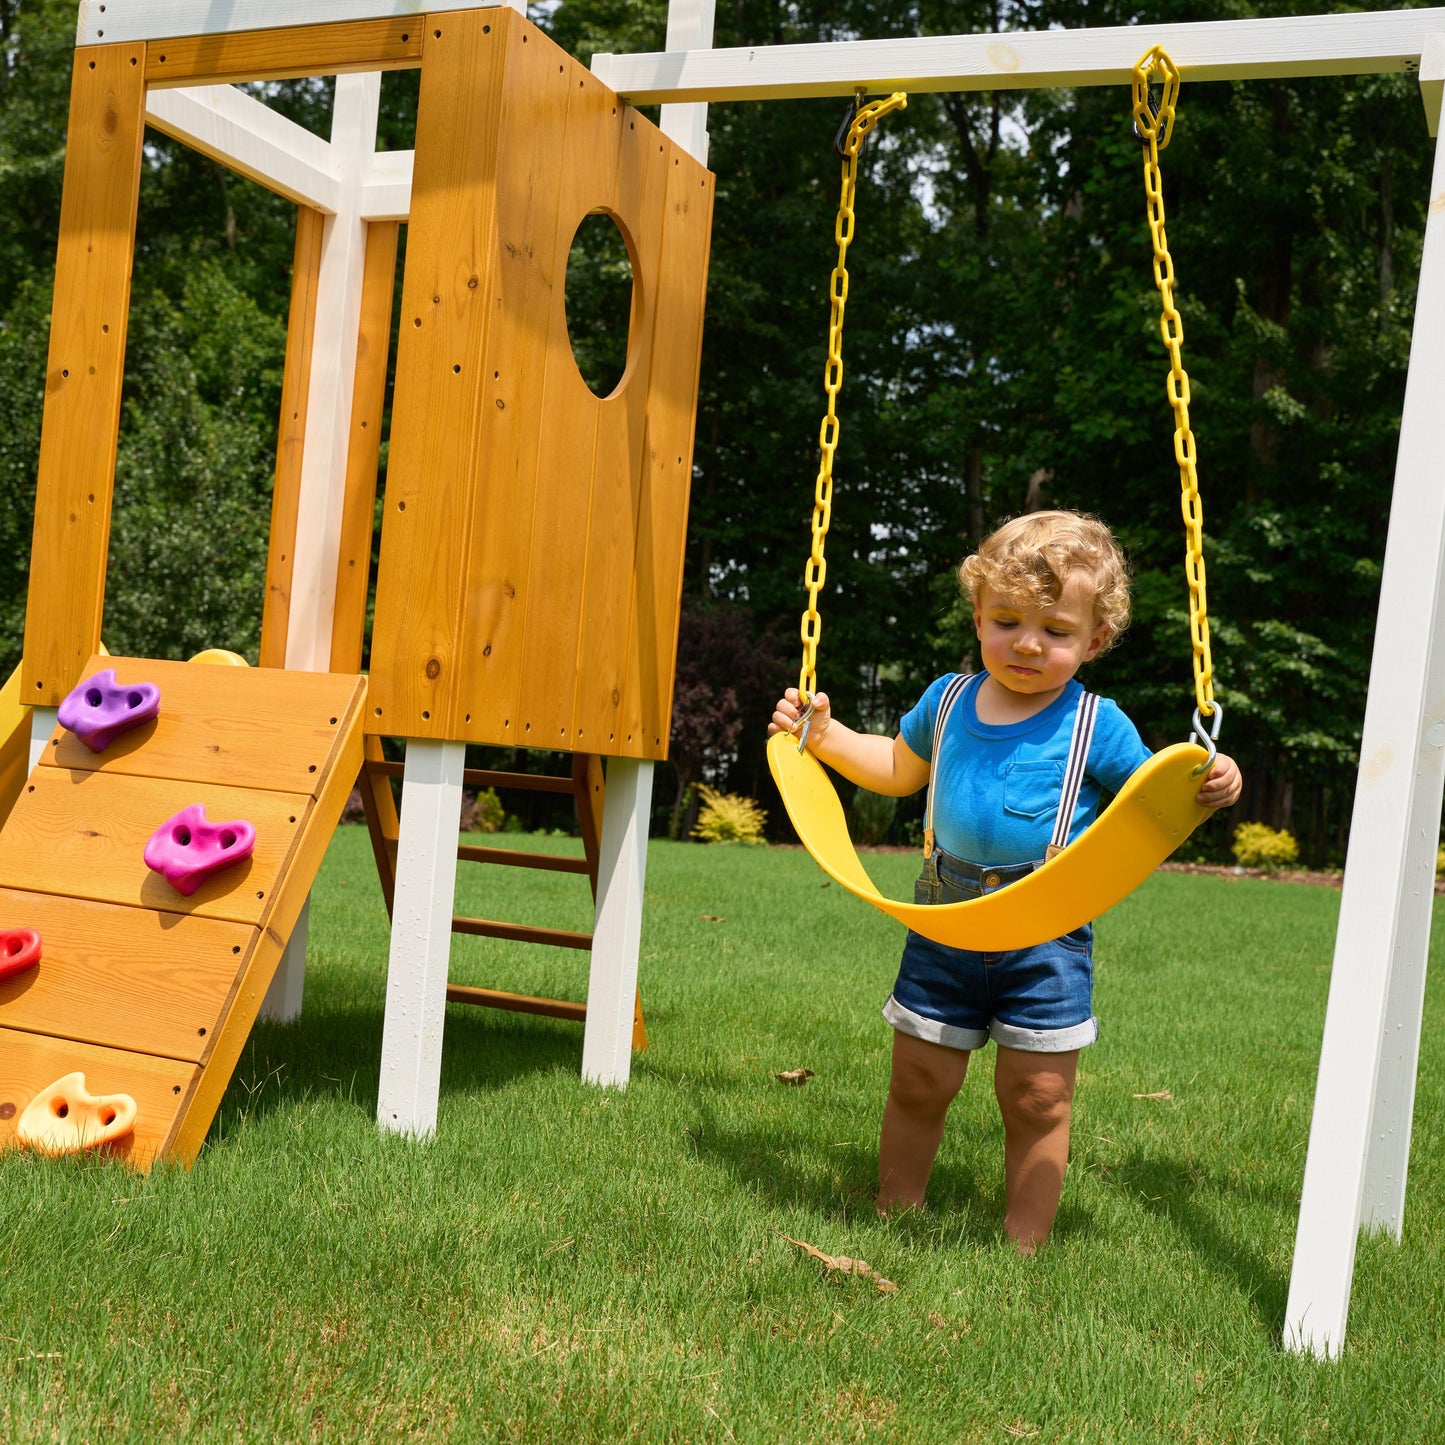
[(146, 991)]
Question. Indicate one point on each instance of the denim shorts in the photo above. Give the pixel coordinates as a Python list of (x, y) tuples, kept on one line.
[(1038, 999)]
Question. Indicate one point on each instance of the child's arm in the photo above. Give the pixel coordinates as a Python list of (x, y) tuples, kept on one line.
[(880, 764)]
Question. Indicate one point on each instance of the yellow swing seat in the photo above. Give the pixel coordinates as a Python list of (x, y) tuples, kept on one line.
[(1151, 816)]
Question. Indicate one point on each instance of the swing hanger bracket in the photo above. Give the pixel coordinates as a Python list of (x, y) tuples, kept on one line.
[(1207, 737)]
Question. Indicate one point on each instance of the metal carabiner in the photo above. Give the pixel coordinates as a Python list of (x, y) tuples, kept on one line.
[(1208, 736), (805, 720)]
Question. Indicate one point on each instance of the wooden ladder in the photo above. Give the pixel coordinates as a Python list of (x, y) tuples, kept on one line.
[(586, 786)]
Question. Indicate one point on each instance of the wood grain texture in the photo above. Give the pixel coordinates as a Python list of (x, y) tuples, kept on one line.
[(358, 511), (291, 438), (446, 300), (85, 368), (231, 727), (390, 44), (129, 978), (667, 463), (160, 1087)]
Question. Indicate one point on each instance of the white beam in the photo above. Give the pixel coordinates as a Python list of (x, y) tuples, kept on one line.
[(617, 931), (386, 186), (1366, 1079), (239, 131), (689, 27), (1346, 44), (105, 22), (43, 722), (1432, 79)]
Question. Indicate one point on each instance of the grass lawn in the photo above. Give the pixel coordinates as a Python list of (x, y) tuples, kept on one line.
[(564, 1263)]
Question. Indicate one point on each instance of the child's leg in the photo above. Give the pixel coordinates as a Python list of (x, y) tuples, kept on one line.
[(924, 1080), (1035, 1094)]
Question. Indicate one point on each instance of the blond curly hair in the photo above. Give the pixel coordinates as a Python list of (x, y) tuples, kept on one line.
[(1030, 560)]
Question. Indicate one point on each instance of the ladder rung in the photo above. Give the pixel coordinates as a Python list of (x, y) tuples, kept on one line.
[(485, 778), (514, 859), (555, 1008), (521, 932)]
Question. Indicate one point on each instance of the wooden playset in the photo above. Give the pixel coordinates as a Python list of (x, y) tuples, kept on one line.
[(531, 548)]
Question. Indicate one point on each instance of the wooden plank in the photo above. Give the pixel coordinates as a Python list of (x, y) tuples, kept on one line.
[(85, 369), (681, 287), (521, 1003), (160, 1087), (515, 858), (329, 49), (251, 139), (290, 444), (604, 637), (89, 845), (439, 386), (521, 932), (1365, 43), (590, 790), (228, 727), (506, 591), (488, 778), (284, 906), (127, 978), (358, 519)]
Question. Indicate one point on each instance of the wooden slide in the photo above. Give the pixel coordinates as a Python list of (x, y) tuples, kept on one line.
[(146, 991)]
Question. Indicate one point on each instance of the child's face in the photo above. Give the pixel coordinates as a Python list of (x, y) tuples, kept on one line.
[(1037, 650)]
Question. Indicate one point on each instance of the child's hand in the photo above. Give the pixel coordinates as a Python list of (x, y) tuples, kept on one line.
[(790, 708), (1223, 785)]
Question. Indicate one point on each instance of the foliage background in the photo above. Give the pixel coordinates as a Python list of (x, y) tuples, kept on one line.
[(1002, 353)]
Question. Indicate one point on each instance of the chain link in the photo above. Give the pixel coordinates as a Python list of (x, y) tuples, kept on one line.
[(816, 571), (1154, 125)]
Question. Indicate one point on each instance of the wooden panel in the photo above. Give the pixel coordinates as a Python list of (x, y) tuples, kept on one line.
[(129, 978), (89, 845), (160, 1087), (391, 44), (446, 296), (85, 368), (358, 512), (667, 479), (291, 439), (232, 727), (621, 463), (523, 366), (284, 907)]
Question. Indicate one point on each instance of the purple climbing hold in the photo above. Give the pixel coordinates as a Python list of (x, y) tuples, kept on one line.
[(188, 849), (99, 709)]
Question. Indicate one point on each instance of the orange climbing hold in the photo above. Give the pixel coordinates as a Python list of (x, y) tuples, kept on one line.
[(66, 1118)]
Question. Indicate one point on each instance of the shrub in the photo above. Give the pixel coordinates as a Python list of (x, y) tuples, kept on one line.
[(1257, 845), (728, 818), (482, 812), (871, 816)]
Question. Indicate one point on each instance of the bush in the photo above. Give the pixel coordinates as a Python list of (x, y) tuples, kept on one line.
[(482, 812), (728, 818), (1257, 845), (871, 816)]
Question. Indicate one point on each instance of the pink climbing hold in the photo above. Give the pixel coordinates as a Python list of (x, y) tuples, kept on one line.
[(188, 849), (19, 949), (99, 709)]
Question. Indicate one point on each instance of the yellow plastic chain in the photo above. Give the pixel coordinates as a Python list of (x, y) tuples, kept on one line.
[(1154, 126), (864, 118)]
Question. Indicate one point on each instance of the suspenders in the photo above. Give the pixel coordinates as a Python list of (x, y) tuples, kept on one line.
[(1079, 742)]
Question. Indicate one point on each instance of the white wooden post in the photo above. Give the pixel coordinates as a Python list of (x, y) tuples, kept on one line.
[(421, 937), (1365, 1091), (328, 424), (689, 27), (617, 932), (43, 722)]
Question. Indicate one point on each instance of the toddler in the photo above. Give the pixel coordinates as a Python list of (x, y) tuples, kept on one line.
[(1050, 592)]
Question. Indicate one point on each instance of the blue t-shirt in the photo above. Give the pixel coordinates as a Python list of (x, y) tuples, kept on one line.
[(996, 795)]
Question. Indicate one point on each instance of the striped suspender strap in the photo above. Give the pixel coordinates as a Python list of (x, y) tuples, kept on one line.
[(951, 695), (1083, 736)]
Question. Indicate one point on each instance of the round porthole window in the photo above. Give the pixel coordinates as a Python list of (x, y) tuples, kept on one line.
[(599, 290)]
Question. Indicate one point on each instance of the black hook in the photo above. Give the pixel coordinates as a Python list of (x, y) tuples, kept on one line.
[(840, 141)]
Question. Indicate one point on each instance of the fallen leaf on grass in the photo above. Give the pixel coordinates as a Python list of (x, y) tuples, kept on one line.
[(1162, 1094), (842, 1264), (711, 918), (796, 1077)]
